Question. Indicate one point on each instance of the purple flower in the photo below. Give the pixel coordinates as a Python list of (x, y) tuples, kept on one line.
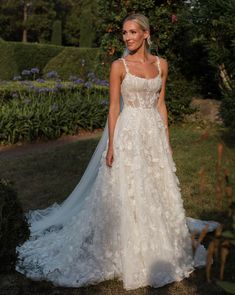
[(78, 81), (88, 84), (103, 83), (52, 74), (40, 80), (17, 78), (34, 71), (59, 85), (25, 73)]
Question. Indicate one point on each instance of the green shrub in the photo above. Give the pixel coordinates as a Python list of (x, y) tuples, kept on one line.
[(179, 93), (48, 113), (227, 109), (79, 62), (16, 57), (13, 227)]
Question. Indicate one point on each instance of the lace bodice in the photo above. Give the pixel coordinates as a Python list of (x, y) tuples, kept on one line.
[(140, 92)]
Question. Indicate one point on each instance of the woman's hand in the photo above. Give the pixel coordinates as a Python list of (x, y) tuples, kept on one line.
[(109, 157)]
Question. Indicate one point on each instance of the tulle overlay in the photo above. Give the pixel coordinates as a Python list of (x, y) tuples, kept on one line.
[(132, 226)]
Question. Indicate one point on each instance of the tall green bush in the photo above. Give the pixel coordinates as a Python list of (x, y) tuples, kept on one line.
[(227, 109), (86, 25)]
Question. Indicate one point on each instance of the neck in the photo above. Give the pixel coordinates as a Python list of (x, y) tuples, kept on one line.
[(141, 54)]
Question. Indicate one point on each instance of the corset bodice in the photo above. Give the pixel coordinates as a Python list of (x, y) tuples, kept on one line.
[(140, 92)]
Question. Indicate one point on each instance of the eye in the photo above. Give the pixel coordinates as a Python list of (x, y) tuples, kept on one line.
[(123, 32), (133, 32)]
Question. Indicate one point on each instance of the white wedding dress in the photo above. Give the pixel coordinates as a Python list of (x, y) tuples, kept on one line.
[(131, 225)]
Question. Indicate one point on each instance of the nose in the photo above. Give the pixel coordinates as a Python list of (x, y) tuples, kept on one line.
[(127, 37)]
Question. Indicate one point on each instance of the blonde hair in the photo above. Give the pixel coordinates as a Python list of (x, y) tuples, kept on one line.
[(143, 22)]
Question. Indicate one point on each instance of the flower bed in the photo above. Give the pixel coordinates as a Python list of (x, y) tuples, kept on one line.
[(47, 109)]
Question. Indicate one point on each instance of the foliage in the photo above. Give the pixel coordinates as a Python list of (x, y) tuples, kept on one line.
[(47, 113), (41, 15), (86, 24), (56, 37), (78, 62), (15, 57), (160, 17), (179, 93), (228, 107), (223, 241), (227, 286), (13, 226), (214, 23)]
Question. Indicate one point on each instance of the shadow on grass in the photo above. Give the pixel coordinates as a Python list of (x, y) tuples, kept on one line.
[(228, 137)]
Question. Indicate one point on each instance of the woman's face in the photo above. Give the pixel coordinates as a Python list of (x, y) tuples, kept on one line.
[(133, 35)]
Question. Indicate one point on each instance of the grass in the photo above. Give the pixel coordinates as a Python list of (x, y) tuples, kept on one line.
[(42, 177)]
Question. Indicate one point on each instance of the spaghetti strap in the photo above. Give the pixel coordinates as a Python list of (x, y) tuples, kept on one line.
[(125, 65), (158, 65)]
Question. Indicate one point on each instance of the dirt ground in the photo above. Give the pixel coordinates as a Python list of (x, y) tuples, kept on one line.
[(22, 148)]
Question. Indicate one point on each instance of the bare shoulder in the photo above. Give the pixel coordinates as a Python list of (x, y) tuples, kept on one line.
[(163, 62), (117, 65), (117, 68)]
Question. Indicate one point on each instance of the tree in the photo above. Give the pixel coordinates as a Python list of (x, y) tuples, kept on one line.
[(56, 37), (11, 19), (40, 21), (214, 27), (112, 14), (214, 24)]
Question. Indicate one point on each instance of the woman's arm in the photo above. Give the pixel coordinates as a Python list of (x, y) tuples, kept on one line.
[(115, 79), (161, 105)]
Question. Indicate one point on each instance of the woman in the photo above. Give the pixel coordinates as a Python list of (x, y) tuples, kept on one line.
[(125, 219)]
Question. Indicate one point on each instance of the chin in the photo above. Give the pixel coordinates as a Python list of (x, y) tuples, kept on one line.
[(131, 48)]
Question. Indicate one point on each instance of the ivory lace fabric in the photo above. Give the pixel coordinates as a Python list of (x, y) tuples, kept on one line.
[(132, 226)]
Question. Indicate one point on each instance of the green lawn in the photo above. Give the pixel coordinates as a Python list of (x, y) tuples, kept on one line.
[(43, 176)]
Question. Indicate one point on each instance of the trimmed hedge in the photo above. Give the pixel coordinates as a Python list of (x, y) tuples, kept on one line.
[(16, 57), (78, 62)]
